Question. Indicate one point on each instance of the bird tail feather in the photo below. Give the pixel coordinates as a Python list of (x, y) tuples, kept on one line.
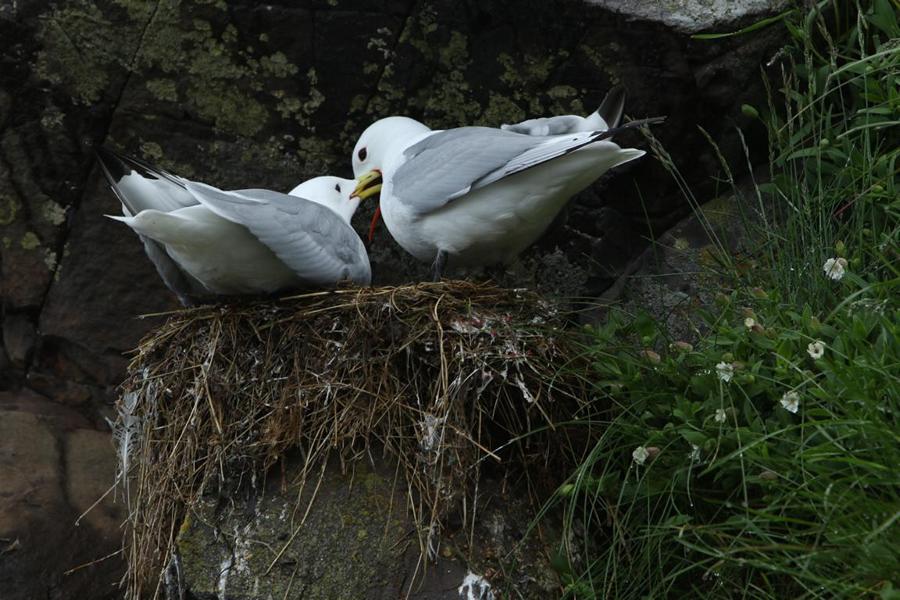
[(613, 106), (139, 185)]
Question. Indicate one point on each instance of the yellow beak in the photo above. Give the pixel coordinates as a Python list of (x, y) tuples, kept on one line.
[(368, 185)]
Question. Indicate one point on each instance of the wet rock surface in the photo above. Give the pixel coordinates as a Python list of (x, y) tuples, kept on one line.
[(243, 94), (357, 540)]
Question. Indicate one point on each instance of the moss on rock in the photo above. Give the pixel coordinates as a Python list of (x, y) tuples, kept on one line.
[(9, 208)]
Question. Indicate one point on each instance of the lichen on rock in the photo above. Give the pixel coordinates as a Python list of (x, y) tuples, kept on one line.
[(30, 241)]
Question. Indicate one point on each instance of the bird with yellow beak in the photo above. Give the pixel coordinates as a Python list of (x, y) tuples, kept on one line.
[(475, 196)]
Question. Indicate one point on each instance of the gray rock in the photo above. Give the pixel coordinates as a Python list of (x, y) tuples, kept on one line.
[(19, 338), (90, 472), (692, 16), (48, 477), (356, 541), (672, 280)]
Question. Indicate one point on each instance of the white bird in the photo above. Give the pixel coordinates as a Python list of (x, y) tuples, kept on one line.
[(208, 242), (477, 195), (607, 116)]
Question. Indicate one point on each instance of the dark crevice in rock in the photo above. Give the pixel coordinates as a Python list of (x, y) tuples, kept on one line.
[(61, 468), (63, 236)]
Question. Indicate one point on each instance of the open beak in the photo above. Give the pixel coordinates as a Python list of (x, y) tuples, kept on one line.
[(368, 185)]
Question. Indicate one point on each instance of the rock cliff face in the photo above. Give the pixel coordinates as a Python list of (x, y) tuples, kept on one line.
[(356, 541), (242, 94)]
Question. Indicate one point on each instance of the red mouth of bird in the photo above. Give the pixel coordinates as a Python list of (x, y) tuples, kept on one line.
[(374, 224)]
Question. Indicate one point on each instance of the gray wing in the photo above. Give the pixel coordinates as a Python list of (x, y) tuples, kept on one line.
[(309, 238), (448, 164), (546, 125)]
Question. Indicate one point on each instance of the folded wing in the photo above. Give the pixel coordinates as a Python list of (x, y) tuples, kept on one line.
[(449, 164), (309, 238)]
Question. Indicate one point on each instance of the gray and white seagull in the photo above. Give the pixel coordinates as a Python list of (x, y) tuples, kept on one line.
[(477, 195), (208, 242)]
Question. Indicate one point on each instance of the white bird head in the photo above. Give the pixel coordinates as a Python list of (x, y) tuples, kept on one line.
[(384, 140), (332, 192)]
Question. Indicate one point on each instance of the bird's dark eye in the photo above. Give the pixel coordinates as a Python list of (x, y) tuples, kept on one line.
[(337, 187), (362, 154)]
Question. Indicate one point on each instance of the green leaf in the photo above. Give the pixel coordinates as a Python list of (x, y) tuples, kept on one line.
[(697, 438), (762, 23), (884, 18)]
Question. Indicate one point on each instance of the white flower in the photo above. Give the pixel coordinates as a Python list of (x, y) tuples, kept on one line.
[(720, 415), (791, 402), (749, 322), (695, 452), (835, 268), (816, 349), (725, 371), (640, 455)]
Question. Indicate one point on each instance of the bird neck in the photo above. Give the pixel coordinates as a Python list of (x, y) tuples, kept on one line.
[(402, 138), (347, 209)]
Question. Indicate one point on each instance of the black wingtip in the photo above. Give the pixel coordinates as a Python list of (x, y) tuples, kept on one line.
[(116, 166), (602, 135), (613, 106), (113, 165)]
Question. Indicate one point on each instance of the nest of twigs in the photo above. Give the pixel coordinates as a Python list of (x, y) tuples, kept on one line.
[(442, 378)]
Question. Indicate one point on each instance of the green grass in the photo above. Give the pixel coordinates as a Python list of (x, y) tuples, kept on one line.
[(732, 495)]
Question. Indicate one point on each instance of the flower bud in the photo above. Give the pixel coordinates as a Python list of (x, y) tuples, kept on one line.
[(651, 356)]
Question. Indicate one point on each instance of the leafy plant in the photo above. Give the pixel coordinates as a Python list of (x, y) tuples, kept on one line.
[(761, 460)]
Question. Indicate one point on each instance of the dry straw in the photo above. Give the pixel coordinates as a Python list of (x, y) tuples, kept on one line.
[(441, 377)]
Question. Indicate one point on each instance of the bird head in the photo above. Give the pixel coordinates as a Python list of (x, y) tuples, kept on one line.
[(334, 193), (383, 142)]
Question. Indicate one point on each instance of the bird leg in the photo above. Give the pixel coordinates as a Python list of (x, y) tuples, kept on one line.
[(440, 261)]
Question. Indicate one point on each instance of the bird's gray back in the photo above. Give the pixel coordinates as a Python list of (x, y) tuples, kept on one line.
[(447, 164)]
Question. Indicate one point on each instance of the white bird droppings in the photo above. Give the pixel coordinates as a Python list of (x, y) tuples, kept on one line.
[(475, 587)]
